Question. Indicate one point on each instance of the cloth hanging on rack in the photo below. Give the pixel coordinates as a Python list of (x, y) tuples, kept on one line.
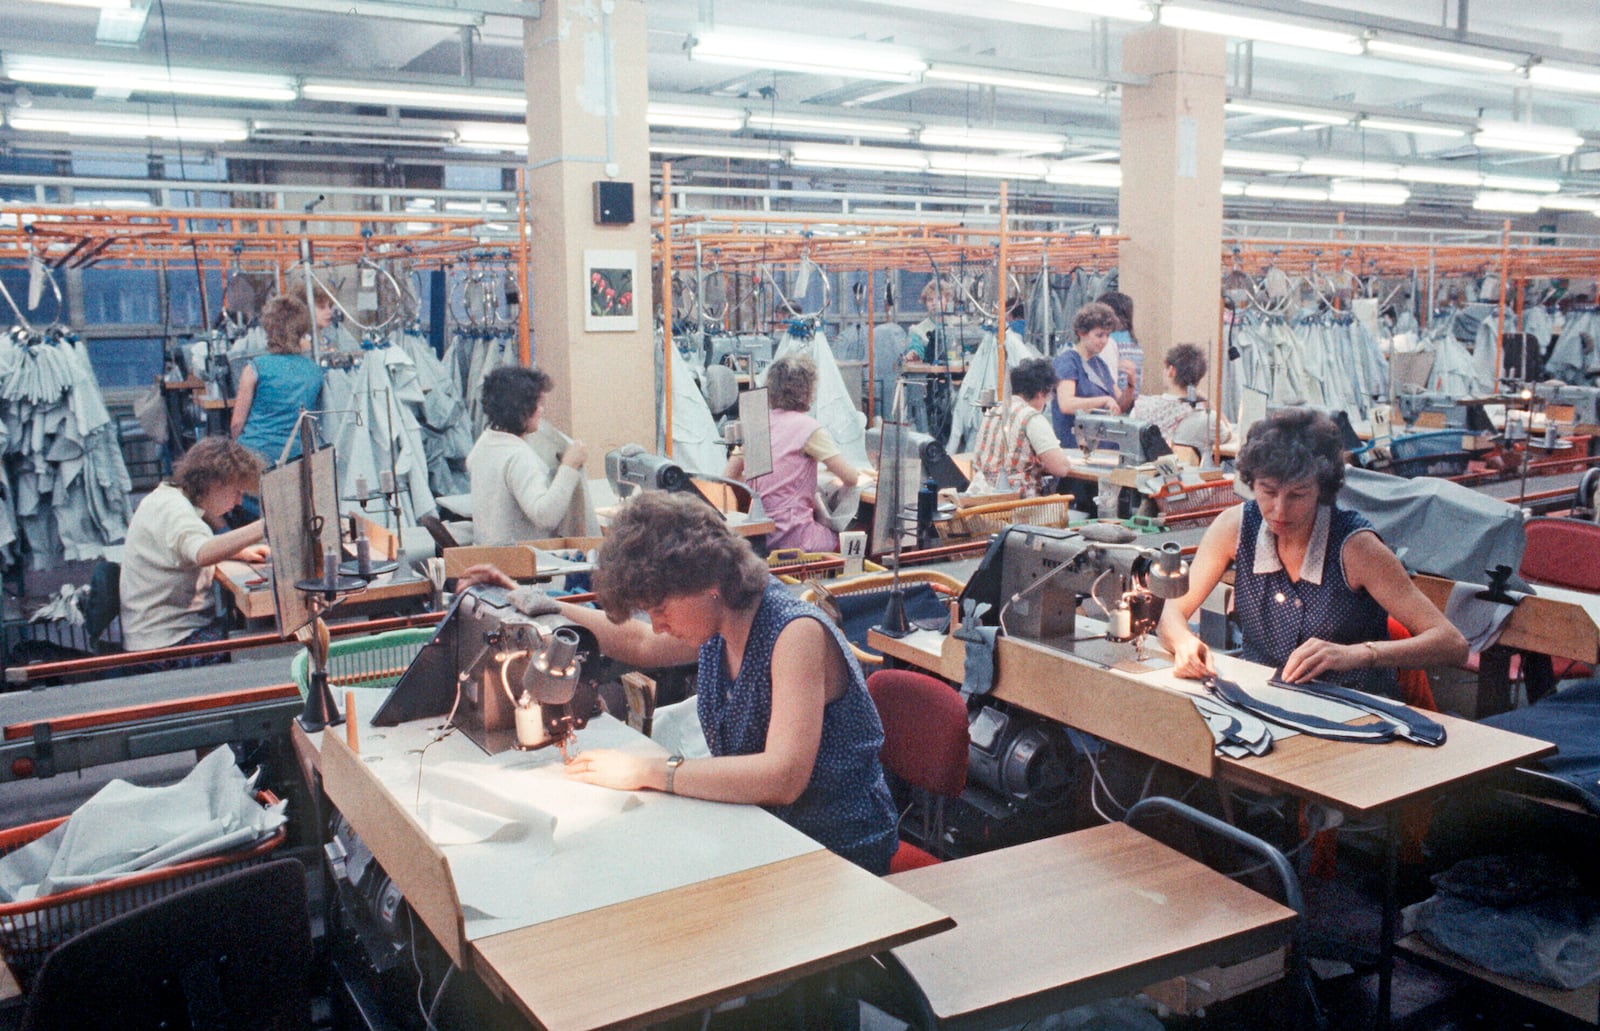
[(1457, 371), (832, 405), (1572, 360), (696, 442), (68, 482), (1328, 359), (381, 389), (441, 416), (982, 371)]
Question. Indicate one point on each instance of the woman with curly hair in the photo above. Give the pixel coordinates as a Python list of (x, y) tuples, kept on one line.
[(781, 699), (515, 495), (277, 386), (172, 546)]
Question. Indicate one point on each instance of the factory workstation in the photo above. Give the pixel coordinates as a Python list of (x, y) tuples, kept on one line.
[(592, 514)]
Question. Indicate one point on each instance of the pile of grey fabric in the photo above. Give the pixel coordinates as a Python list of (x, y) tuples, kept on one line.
[(65, 487)]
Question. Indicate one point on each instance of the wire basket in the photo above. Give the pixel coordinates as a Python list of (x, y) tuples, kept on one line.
[(986, 520), (1175, 498), (30, 929), (1434, 453), (874, 585), (378, 660), (795, 557)]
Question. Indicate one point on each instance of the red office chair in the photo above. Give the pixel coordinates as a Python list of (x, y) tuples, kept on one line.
[(1563, 553), (925, 741)]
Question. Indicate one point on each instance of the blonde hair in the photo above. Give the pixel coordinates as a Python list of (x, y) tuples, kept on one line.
[(286, 322)]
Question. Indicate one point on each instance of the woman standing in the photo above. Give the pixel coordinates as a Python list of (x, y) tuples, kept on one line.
[(277, 386), (1083, 380)]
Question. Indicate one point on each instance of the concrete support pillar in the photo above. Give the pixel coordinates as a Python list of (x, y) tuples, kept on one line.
[(1170, 206), (584, 65)]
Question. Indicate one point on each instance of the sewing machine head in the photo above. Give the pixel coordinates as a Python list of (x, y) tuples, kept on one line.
[(1585, 401), (1134, 440), (1035, 577), (1413, 404), (632, 467)]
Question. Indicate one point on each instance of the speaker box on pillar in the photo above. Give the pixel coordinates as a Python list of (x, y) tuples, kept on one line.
[(613, 203)]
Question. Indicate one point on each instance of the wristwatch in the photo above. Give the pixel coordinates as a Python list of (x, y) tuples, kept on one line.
[(673, 762)]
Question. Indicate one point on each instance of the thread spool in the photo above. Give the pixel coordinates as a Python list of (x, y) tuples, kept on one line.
[(363, 556), (386, 482), (361, 488), (330, 569)]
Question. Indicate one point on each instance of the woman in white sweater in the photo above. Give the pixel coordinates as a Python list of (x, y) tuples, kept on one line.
[(516, 496)]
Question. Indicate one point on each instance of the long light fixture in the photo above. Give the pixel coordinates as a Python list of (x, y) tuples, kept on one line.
[(1127, 10), (406, 95), (986, 166), (1435, 55), (125, 77), (354, 134), (1232, 188), (1178, 16), (1409, 127), (137, 126), (1528, 139), (1564, 78), (880, 159), (813, 55), (694, 116), (817, 125), (1500, 200), (1319, 116), (667, 145), (1253, 161), (1570, 203), (1084, 173), (1524, 183), (991, 139), (1349, 168), (1356, 191), (1270, 191), (492, 136), (1440, 175), (109, 4), (1011, 80)]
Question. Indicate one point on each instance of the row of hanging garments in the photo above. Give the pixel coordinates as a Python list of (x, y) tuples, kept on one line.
[(474, 352), (1328, 359), (64, 487), (1054, 299), (983, 374)]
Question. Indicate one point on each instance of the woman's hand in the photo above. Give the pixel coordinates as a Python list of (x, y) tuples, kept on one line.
[(1192, 659), (576, 454), (610, 768), (254, 554), (1111, 405), (484, 574), (1316, 657)]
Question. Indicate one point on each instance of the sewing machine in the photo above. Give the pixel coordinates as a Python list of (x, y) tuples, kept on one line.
[(507, 679), (1458, 415), (1585, 401), (1134, 440), (631, 469), (936, 463), (1035, 577)]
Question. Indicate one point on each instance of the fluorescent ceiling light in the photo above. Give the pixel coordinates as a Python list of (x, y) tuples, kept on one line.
[(1359, 192), (666, 145), (88, 3), (991, 139), (492, 136), (125, 77), (405, 95), (883, 159), (1530, 139), (694, 116), (1011, 80), (1564, 78), (1432, 55), (1080, 173), (1526, 184), (1127, 10), (987, 166), (1498, 200), (1353, 169), (817, 56), (359, 135), (476, 207), (1268, 191), (124, 203), (816, 125), (137, 126), (1179, 17), (1570, 203), (1257, 162), (121, 26), (1442, 176), (1298, 114), (1232, 188), (1409, 127)]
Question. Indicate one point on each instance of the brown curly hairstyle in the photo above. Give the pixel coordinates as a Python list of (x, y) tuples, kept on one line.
[(792, 383), (1294, 444), (1188, 364), (662, 546), (1094, 315), (286, 322), (214, 461)]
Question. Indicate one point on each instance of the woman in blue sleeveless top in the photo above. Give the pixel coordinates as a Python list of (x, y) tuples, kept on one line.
[(276, 387), (781, 698), (1314, 585)]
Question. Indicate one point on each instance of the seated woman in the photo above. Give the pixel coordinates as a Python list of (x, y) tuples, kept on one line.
[(1314, 585), (172, 547), (1017, 446), (781, 699), (799, 442), (516, 496), (1185, 368), (276, 387)]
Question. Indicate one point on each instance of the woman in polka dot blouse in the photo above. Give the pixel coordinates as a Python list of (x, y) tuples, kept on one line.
[(1314, 585)]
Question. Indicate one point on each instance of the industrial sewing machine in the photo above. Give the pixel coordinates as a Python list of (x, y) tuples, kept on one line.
[(631, 469), (1458, 414), (506, 678), (936, 463), (1034, 578), (1134, 440), (1585, 401)]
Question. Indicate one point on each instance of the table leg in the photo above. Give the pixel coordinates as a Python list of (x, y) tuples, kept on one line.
[(1391, 910)]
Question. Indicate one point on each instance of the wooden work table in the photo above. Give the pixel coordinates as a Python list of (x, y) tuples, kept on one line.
[(1084, 916), (252, 593)]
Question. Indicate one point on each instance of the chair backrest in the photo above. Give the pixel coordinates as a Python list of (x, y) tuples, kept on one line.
[(233, 953), (104, 603), (442, 537), (925, 734), (1563, 553)]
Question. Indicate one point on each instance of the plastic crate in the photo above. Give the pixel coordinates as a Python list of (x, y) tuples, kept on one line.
[(1434, 453), (378, 660), (29, 930)]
